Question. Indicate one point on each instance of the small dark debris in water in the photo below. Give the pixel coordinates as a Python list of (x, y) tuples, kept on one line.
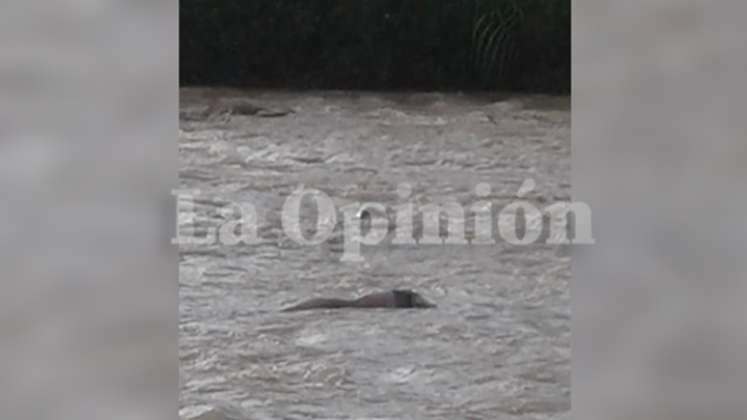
[(231, 108), (390, 299), (309, 159)]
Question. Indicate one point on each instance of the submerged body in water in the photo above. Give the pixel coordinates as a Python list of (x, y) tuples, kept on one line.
[(390, 299)]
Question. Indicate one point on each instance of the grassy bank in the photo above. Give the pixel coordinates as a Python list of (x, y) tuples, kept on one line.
[(521, 45)]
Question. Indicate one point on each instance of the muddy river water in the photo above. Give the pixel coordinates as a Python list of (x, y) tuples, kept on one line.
[(498, 344)]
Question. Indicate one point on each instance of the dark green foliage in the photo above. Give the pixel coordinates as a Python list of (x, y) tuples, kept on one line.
[(377, 44)]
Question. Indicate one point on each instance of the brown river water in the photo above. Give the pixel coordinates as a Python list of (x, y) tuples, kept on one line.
[(498, 344)]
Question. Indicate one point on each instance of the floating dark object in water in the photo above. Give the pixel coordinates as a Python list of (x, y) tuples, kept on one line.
[(228, 108), (391, 299)]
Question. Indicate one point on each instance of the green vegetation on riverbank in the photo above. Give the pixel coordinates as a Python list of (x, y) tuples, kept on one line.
[(521, 45)]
